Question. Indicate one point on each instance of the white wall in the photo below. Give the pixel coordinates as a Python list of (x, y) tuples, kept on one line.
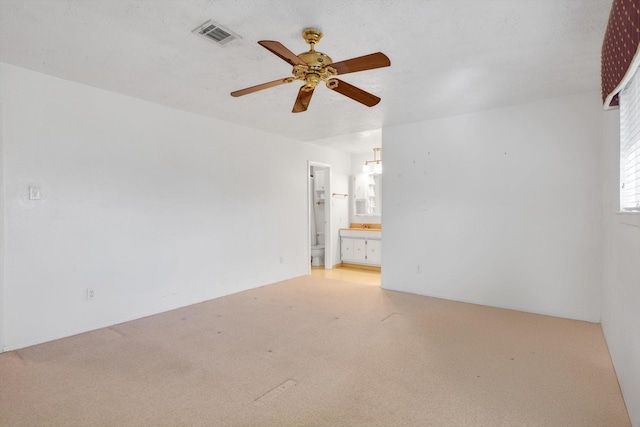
[(2, 240), (339, 205), (319, 209), (621, 285), (501, 207), (152, 207)]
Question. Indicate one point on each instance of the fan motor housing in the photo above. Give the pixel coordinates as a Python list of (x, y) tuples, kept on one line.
[(315, 59)]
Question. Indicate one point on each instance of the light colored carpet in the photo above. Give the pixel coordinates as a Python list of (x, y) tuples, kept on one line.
[(319, 352)]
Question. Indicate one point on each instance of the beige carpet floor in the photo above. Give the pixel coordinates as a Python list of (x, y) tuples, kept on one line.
[(319, 352)]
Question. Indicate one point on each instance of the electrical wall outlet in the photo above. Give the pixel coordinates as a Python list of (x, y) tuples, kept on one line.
[(281, 260), (91, 294), (419, 269), (34, 193)]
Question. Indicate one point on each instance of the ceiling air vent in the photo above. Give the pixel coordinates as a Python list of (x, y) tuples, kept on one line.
[(215, 33)]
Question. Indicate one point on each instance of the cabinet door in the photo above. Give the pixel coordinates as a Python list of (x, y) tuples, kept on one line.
[(360, 185), (373, 251), (346, 249), (359, 250)]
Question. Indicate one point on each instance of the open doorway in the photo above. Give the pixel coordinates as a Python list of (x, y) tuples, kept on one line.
[(319, 246)]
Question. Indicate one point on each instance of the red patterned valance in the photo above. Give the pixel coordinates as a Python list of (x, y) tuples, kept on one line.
[(620, 48)]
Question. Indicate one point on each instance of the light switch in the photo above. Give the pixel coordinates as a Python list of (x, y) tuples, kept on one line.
[(34, 193)]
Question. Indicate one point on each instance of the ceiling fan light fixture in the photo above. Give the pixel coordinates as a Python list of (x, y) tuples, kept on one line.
[(312, 80), (332, 83), (374, 166), (313, 67)]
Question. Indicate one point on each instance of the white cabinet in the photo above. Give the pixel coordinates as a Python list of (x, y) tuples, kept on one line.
[(319, 180), (360, 186), (367, 198), (346, 248), (361, 249), (373, 251)]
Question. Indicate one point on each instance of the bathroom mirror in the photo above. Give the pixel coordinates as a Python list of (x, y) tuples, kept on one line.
[(367, 191)]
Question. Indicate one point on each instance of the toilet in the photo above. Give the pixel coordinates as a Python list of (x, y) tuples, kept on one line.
[(317, 251)]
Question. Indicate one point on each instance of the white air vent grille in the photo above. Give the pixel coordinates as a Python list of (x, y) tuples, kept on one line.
[(215, 33)]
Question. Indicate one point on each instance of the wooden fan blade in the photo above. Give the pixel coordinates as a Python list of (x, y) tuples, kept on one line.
[(259, 87), (361, 63), (278, 49), (302, 101), (355, 93)]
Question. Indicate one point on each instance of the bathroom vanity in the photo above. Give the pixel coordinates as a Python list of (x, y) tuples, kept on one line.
[(361, 245)]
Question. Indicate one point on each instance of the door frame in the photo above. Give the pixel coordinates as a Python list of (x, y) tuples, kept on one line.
[(2, 229), (328, 232)]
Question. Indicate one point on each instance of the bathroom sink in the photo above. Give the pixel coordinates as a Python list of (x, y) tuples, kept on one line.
[(361, 229), (369, 233)]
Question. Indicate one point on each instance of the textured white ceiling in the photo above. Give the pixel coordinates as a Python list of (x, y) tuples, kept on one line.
[(448, 57)]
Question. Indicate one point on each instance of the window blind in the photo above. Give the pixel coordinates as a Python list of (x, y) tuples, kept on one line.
[(630, 144)]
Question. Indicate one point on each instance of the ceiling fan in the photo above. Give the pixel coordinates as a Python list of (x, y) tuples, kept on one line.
[(313, 67)]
